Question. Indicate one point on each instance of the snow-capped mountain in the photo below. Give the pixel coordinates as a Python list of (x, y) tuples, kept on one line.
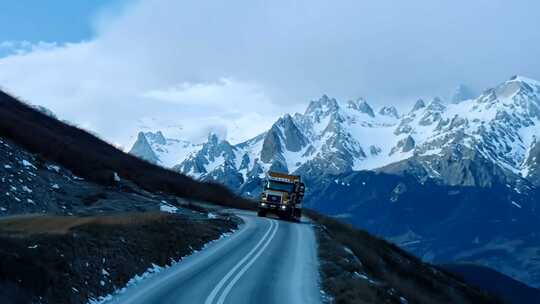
[(157, 149), (491, 138), (477, 141)]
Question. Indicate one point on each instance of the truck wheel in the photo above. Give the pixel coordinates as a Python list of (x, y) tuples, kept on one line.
[(296, 215), (261, 213), (287, 216)]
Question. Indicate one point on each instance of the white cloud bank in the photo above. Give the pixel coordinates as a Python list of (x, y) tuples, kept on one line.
[(233, 66)]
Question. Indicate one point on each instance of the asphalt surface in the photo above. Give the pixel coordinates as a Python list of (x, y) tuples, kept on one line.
[(266, 261)]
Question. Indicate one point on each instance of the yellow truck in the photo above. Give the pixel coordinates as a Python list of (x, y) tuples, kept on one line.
[(282, 195)]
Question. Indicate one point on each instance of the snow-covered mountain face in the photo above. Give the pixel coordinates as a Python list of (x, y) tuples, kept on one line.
[(328, 138), (480, 141), (157, 149), (477, 141)]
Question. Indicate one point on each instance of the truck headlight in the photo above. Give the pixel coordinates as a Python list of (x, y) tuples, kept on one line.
[(283, 207), (263, 204)]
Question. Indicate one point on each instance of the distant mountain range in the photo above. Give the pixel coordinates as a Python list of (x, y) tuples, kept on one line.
[(493, 134), (448, 180)]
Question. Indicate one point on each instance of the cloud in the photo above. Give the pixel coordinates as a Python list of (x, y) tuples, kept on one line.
[(218, 93), (230, 108), (233, 67)]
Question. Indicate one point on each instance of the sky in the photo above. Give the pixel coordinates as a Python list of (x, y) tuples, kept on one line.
[(233, 67)]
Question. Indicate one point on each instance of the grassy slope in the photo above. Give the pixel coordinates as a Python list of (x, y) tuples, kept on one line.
[(94, 159), (394, 273)]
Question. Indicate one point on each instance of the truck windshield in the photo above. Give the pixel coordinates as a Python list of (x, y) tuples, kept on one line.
[(280, 186)]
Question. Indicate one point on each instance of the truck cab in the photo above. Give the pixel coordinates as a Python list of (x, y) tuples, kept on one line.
[(282, 195)]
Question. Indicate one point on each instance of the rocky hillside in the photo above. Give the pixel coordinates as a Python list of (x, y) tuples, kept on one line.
[(82, 154), (32, 184)]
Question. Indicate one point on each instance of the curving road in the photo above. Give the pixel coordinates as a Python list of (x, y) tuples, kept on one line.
[(266, 261)]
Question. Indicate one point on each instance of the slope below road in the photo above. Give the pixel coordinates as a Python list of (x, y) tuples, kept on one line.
[(266, 261)]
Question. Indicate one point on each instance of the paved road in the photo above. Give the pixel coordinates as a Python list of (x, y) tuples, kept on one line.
[(266, 261)]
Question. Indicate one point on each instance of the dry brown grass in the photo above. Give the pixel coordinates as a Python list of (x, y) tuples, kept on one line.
[(29, 224)]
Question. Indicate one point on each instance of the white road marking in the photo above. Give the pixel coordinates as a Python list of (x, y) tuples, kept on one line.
[(218, 287), (246, 267), (181, 267)]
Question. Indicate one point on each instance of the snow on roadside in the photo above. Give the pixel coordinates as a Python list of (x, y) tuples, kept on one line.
[(28, 164), (152, 272), (54, 168), (168, 208), (365, 277)]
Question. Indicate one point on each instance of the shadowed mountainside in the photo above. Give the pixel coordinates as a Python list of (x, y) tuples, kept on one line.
[(360, 268), (510, 290)]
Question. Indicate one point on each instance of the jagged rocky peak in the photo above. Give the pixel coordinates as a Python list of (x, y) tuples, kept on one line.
[(361, 105), (142, 149), (211, 154), (292, 136), (285, 120), (517, 84), (408, 144), (213, 138), (436, 104), (419, 104), (433, 112), (216, 146), (334, 124), (461, 93), (390, 111), (322, 105), (525, 80), (271, 145), (404, 145), (156, 137)]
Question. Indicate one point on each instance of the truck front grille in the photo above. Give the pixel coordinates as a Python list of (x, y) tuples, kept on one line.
[(273, 198)]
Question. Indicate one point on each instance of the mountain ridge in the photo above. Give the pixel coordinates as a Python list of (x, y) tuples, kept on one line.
[(497, 129)]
